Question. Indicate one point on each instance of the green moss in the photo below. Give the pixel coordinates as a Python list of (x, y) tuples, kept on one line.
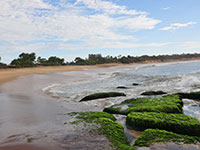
[(91, 116), (150, 136), (102, 95), (167, 104), (149, 93), (178, 123), (114, 131)]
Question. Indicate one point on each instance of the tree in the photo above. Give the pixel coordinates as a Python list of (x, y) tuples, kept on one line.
[(24, 60), (53, 60), (79, 61)]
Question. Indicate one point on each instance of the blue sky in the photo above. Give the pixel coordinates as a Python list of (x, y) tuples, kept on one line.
[(71, 28)]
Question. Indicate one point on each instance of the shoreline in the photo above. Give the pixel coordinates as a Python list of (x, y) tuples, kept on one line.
[(7, 75)]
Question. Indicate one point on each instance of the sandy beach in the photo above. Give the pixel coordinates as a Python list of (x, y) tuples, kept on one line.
[(10, 74)]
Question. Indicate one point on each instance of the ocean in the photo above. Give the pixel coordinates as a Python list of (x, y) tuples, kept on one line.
[(169, 77)]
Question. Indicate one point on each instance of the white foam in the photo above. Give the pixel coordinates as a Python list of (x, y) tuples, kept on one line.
[(50, 87), (189, 81)]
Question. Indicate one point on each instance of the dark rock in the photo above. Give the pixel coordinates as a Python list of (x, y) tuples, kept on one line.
[(122, 87), (192, 95), (150, 93), (135, 84), (102, 95)]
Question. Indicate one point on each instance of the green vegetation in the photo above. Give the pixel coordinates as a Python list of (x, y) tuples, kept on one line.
[(91, 116), (101, 95), (192, 95), (94, 59), (24, 60), (149, 93), (52, 61), (167, 104), (28, 60), (150, 136), (178, 123), (114, 131)]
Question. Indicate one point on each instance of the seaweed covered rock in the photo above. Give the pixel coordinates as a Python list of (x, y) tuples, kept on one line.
[(150, 136), (102, 95), (151, 93), (192, 95), (178, 123), (106, 126), (167, 104)]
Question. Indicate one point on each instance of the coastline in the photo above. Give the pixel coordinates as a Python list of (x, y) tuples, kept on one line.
[(13, 73), (37, 112)]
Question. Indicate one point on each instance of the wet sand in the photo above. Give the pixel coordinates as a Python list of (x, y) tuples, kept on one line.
[(31, 119), (26, 147)]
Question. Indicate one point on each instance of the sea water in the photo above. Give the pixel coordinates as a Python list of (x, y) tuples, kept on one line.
[(168, 77)]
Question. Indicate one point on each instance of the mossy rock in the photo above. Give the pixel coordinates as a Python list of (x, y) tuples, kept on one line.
[(114, 131), (178, 123), (102, 95), (91, 116), (167, 104), (150, 136), (151, 93), (192, 95)]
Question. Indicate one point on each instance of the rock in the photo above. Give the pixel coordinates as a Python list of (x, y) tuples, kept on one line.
[(150, 136), (192, 95), (101, 95), (105, 125), (178, 123), (167, 104), (122, 87), (150, 93), (156, 136), (135, 84)]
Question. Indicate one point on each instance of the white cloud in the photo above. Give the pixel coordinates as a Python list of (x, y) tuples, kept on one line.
[(165, 8), (108, 7), (35, 25), (27, 20), (177, 26)]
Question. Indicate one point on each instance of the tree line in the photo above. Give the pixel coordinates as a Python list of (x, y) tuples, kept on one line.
[(30, 60)]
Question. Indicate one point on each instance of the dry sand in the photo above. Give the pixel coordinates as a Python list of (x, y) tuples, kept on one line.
[(10, 74)]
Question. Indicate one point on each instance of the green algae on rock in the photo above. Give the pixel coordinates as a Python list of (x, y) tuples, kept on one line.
[(167, 104), (150, 136), (106, 125), (178, 123), (150, 93), (102, 95)]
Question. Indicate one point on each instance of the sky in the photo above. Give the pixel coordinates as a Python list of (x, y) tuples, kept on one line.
[(76, 28)]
